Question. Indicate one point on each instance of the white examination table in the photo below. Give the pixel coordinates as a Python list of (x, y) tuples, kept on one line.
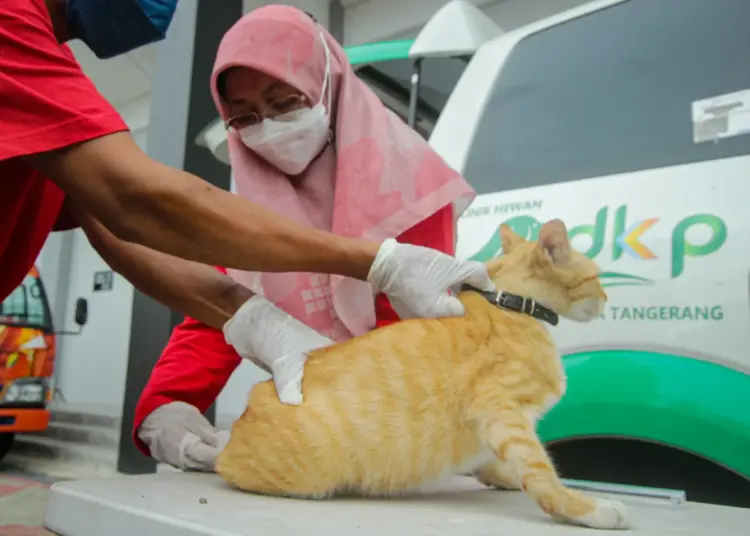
[(193, 504)]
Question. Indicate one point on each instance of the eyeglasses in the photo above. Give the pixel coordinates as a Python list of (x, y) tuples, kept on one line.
[(279, 107)]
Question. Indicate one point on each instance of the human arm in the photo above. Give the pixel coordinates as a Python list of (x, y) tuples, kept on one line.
[(193, 369), (169, 210), (55, 119), (253, 326), (259, 240), (196, 290), (437, 232), (145, 202)]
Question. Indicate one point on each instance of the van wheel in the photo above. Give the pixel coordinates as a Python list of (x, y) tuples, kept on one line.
[(6, 441), (628, 461)]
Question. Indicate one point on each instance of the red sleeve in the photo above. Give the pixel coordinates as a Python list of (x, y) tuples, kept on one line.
[(46, 102), (65, 220), (436, 232), (193, 368)]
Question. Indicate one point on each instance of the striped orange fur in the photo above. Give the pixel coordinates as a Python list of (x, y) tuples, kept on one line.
[(405, 405)]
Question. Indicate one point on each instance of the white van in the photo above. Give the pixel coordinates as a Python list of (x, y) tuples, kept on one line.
[(630, 121)]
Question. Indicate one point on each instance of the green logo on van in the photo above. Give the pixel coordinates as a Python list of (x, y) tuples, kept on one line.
[(681, 248), (627, 238)]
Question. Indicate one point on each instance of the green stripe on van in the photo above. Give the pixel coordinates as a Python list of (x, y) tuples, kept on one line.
[(382, 51)]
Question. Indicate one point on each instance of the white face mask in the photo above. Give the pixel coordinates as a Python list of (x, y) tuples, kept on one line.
[(292, 140)]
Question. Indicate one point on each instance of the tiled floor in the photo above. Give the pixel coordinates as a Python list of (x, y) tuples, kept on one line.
[(23, 530), (22, 503), (24, 487)]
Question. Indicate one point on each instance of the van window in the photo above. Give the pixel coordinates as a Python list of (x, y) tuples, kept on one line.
[(391, 81), (438, 78), (611, 92), (26, 306)]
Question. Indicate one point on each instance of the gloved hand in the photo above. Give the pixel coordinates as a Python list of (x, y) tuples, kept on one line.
[(178, 434), (276, 342), (417, 279)]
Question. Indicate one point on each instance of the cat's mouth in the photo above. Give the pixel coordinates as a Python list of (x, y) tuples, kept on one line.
[(586, 310)]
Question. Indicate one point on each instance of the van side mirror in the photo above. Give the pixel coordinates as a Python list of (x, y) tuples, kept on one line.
[(81, 317), (82, 311)]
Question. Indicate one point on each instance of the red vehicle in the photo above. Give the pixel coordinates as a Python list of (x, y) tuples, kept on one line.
[(27, 358)]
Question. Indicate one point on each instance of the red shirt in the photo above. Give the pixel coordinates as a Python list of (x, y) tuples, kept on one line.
[(46, 103), (197, 362)]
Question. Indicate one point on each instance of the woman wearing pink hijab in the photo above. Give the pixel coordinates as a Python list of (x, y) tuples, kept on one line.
[(309, 140)]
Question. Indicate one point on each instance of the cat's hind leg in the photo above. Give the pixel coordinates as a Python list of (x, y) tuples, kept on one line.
[(497, 475), (510, 432)]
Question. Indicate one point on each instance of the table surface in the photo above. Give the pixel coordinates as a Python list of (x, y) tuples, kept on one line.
[(193, 504)]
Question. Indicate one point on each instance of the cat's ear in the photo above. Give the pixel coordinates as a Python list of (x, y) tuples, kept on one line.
[(553, 241), (509, 238)]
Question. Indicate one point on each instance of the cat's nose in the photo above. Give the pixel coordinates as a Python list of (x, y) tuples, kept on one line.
[(587, 309)]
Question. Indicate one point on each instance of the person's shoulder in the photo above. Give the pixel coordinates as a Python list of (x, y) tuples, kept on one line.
[(48, 101), (31, 54), (22, 8), (24, 16), (26, 33)]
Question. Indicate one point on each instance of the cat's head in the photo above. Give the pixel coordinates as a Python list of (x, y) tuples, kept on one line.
[(550, 271)]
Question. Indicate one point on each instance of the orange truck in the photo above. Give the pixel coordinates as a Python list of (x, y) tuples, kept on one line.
[(27, 358)]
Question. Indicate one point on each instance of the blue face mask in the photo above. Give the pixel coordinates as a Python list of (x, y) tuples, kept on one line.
[(113, 27)]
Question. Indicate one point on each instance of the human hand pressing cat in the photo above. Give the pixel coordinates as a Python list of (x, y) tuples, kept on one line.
[(178, 434), (276, 342), (421, 282), (417, 281)]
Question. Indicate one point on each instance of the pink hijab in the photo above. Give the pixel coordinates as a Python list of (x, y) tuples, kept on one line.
[(378, 178)]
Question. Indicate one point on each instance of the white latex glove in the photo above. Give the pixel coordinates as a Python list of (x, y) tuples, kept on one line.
[(276, 342), (178, 434), (417, 279)]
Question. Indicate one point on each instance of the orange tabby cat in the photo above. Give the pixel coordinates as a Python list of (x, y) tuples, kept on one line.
[(404, 405)]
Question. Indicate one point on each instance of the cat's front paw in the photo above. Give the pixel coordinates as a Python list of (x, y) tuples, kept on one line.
[(607, 515)]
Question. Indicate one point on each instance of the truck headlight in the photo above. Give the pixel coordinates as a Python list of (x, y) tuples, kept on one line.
[(26, 391)]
